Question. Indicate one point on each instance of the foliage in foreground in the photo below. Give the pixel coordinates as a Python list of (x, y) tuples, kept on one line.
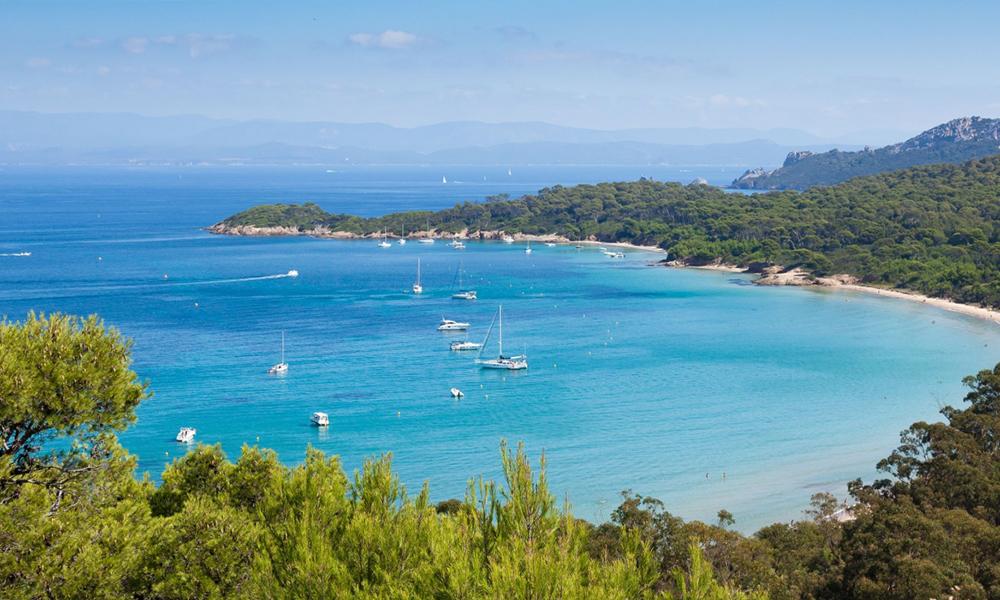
[(930, 229), (76, 523)]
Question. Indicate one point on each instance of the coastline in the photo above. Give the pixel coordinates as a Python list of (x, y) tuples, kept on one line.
[(775, 275)]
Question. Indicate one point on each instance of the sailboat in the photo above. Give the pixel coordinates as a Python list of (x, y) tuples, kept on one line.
[(508, 171), (417, 288), (282, 366), (509, 363), (527, 249), (444, 180), (428, 239), (462, 294), (402, 238), (385, 241)]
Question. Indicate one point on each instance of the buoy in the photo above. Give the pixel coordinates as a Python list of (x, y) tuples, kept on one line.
[(706, 475), (164, 276), (196, 304), (399, 414), (99, 258), (258, 438), (553, 365)]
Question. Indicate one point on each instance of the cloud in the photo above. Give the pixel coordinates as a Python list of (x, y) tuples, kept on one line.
[(513, 32), (89, 43), (135, 45), (390, 39), (39, 63)]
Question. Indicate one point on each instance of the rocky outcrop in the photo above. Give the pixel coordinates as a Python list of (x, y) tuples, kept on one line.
[(324, 232), (699, 181), (795, 156), (957, 131), (749, 179)]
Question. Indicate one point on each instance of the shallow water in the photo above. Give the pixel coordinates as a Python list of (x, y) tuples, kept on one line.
[(641, 377)]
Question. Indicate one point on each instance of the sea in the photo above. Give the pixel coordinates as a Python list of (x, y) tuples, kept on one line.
[(694, 387)]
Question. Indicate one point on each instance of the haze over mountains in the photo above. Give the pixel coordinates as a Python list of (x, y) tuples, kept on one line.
[(126, 138)]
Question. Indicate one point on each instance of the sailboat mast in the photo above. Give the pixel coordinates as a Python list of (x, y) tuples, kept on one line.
[(418, 271), (282, 346), (500, 314)]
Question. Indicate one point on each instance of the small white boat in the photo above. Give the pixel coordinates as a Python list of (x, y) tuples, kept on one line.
[(527, 248), (507, 239), (320, 419), (186, 435), (550, 244), (417, 288), (619, 255), (609, 253), (456, 393), (508, 363), (444, 180), (449, 325), (402, 239), (508, 171), (281, 367), (460, 346), (425, 241), (458, 246), (292, 273), (461, 294), (385, 241)]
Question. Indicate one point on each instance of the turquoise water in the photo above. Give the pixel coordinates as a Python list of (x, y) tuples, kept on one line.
[(641, 377)]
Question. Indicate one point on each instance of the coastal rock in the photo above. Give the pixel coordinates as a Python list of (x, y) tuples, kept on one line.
[(778, 275), (749, 179), (965, 129), (699, 181)]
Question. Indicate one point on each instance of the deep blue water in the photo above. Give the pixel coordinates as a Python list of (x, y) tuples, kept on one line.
[(641, 377)]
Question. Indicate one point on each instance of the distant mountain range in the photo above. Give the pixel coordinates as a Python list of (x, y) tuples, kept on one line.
[(953, 142), (124, 138)]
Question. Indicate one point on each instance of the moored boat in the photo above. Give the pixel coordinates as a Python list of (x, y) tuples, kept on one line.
[(508, 363), (186, 435), (320, 419), (450, 325)]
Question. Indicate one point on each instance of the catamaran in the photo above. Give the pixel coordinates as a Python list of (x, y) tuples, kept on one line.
[(509, 363), (282, 366), (186, 435), (462, 294), (449, 325), (417, 288)]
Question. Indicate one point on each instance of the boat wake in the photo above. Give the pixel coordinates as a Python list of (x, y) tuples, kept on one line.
[(17, 254), (260, 278)]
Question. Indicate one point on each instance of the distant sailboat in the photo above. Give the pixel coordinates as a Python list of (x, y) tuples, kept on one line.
[(527, 249), (509, 363), (508, 171), (444, 180), (282, 366), (417, 288), (385, 241), (428, 239), (402, 238), (462, 294)]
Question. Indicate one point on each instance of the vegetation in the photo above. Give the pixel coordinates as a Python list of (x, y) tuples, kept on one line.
[(76, 523), (930, 229)]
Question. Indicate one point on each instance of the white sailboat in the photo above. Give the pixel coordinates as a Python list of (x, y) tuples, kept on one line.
[(385, 241), (428, 239), (462, 294), (402, 239), (282, 366), (508, 171), (527, 249), (417, 288), (444, 180), (509, 363)]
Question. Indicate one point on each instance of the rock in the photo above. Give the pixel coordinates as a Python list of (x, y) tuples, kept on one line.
[(748, 179), (699, 181), (795, 156)]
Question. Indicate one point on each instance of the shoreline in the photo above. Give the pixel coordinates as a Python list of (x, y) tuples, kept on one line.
[(775, 276)]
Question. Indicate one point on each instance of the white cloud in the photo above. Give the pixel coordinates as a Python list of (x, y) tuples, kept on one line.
[(39, 63), (389, 39), (136, 45)]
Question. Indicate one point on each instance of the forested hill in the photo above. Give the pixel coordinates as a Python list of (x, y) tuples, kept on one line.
[(930, 228), (953, 142)]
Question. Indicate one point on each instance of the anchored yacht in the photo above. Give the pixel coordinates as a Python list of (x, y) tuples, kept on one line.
[(186, 435), (282, 366), (449, 325), (461, 294), (320, 419), (417, 288), (509, 363)]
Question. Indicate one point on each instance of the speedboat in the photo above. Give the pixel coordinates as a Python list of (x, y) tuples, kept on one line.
[(459, 346), (458, 246), (426, 240), (507, 239), (619, 255), (456, 393), (507, 363), (186, 435), (449, 325), (320, 419), (609, 253), (292, 273), (550, 244)]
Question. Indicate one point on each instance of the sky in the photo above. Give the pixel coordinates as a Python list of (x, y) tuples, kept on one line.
[(829, 68)]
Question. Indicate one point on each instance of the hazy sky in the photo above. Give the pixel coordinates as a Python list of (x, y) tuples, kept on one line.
[(827, 67)]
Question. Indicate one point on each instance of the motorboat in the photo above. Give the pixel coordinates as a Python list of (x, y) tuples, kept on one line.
[(281, 367), (456, 393), (460, 346), (292, 273), (609, 253), (449, 325), (186, 435), (458, 246), (508, 363), (507, 239), (619, 255), (320, 419), (550, 244), (417, 288), (459, 293), (426, 240)]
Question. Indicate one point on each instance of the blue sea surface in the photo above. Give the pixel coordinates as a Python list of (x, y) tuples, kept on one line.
[(646, 378)]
